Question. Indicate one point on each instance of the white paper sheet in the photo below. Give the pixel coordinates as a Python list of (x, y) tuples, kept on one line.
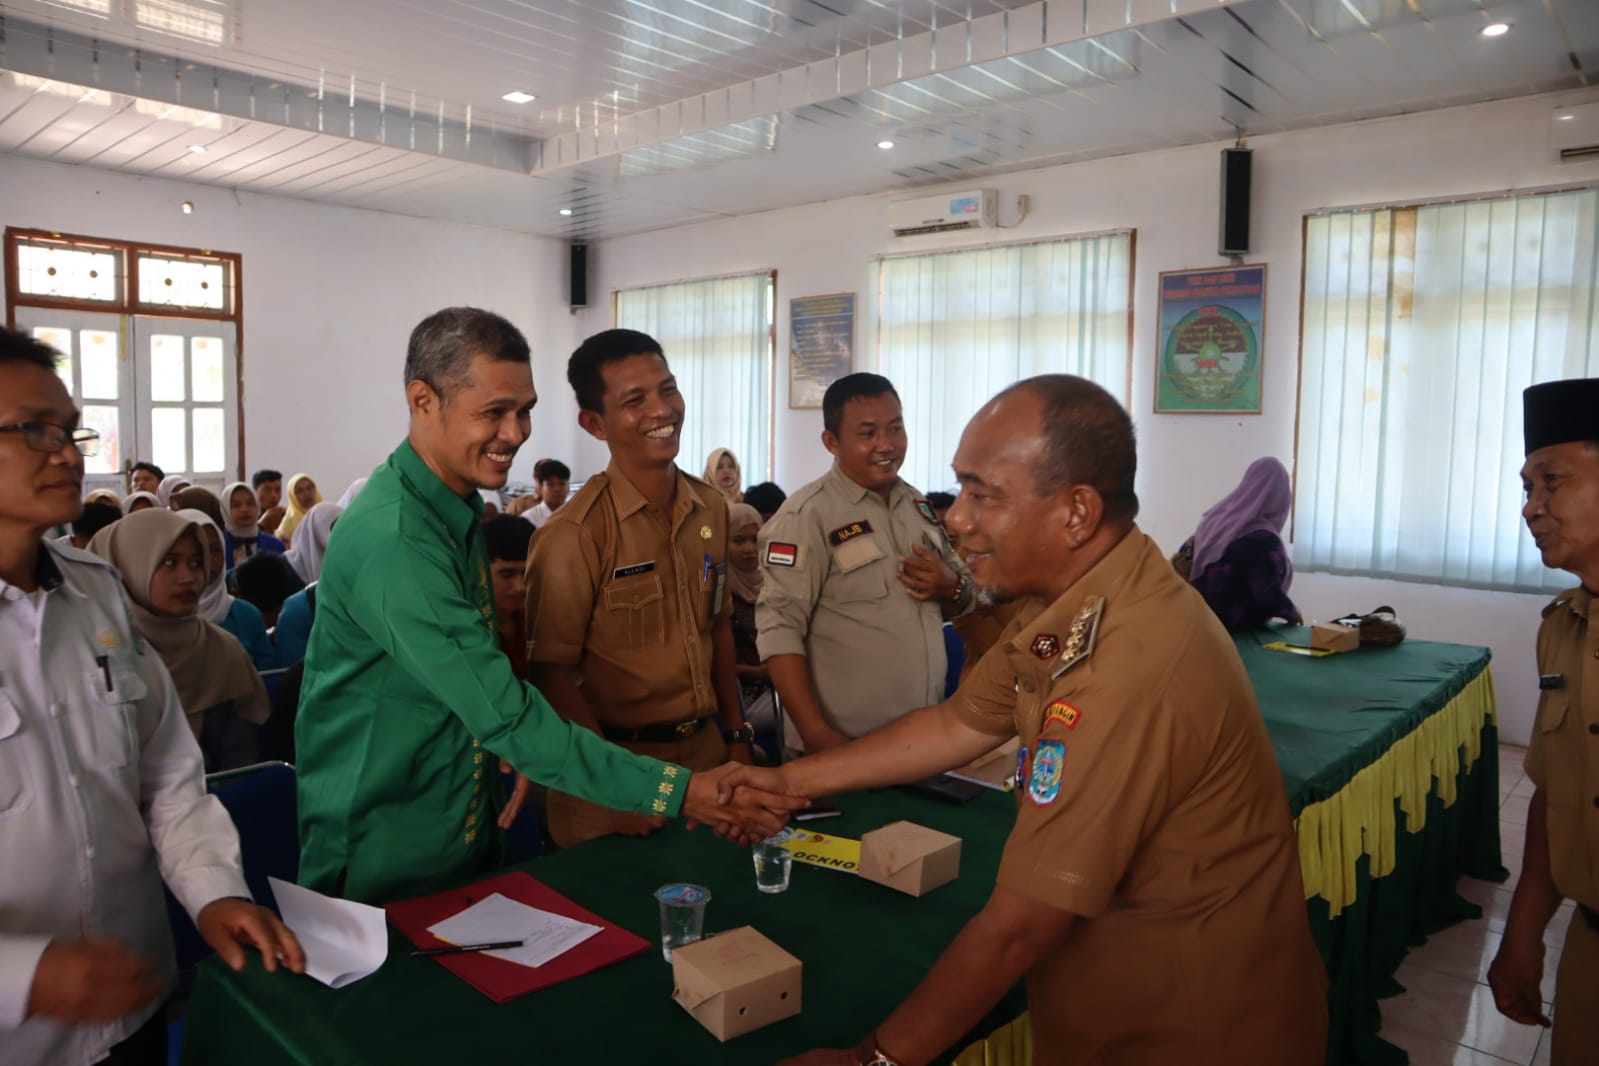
[(343, 941), (499, 918)]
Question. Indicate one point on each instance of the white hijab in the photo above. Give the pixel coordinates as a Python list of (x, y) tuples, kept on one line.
[(311, 541), (215, 603), (239, 532), (127, 504), (350, 493)]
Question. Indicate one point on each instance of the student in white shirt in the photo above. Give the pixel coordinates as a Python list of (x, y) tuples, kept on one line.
[(553, 480), (101, 792)]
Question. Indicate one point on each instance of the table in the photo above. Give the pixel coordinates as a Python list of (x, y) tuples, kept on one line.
[(1361, 740)]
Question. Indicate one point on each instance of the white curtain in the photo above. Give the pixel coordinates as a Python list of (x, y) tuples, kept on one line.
[(717, 335), (954, 328), (1421, 327)]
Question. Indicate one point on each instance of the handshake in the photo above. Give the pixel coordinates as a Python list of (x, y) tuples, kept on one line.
[(744, 803)]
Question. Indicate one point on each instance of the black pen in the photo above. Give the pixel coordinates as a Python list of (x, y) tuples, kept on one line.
[(104, 662), (456, 949)]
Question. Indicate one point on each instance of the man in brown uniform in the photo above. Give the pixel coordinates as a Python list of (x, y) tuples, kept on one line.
[(628, 613), (1150, 891), (1561, 860)]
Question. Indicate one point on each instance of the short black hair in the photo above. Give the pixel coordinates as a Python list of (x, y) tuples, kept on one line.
[(766, 497), (443, 345), (18, 347), (507, 536), (160, 475), (583, 370), (1088, 440), (266, 579), (851, 387), (97, 514), (262, 476), (941, 500), (545, 469)]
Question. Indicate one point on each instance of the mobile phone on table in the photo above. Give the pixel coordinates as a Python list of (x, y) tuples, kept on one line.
[(946, 788), (817, 810)]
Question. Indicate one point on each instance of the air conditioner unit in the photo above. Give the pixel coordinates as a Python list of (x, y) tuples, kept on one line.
[(972, 209), (1574, 133)]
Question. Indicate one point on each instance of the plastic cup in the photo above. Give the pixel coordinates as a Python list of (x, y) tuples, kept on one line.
[(682, 915), (772, 865)]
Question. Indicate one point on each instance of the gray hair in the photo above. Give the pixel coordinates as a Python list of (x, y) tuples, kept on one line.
[(444, 344)]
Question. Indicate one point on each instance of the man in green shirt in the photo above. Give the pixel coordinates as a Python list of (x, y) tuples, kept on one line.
[(408, 699)]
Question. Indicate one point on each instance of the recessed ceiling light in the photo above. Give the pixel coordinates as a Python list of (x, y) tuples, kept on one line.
[(885, 145), (517, 96), (566, 211), (197, 149), (1566, 117), (1496, 29)]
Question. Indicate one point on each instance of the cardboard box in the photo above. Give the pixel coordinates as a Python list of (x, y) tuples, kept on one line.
[(736, 982), (909, 857), (1330, 637)]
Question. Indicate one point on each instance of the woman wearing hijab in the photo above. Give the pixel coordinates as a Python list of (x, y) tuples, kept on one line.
[(352, 492), (1240, 565), (312, 542), (218, 607), (104, 496), (722, 470), (195, 498), (162, 559), (302, 495), (139, 501), (241, 533), (170, 484)]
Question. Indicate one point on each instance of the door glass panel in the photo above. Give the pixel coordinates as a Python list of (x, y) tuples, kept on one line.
[(61, 341), (210, 447), (98, 351), (168, 446), (166, 372), (206, 366), (106, 421)]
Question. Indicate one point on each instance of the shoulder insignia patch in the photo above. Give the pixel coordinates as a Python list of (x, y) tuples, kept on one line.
[(1062, 712), (780, 554), (927, 511), (1046, 646), (849, 532), (1080, 640)]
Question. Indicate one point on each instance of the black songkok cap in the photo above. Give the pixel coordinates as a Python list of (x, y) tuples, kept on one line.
[(1559, 412)]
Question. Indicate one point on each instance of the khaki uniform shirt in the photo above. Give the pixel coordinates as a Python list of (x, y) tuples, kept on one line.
[(629, 596), (1152, 807), (1563, 758), (832, 593)]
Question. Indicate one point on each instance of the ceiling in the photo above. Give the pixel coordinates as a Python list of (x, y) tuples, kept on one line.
[(653, 113)]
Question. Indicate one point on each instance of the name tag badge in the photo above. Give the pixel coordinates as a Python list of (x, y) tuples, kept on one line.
[(717, 601), (632, 571), (1546, 682), (849, 532)]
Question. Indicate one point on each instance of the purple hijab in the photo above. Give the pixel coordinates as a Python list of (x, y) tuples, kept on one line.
[(1260, 502)]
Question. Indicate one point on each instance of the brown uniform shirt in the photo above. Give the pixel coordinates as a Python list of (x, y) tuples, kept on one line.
[(832, 593), (1152, 807), (1563, 758)]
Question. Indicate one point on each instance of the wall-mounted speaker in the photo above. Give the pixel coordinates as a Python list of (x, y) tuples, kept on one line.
[(1233, 231), (578, 282)]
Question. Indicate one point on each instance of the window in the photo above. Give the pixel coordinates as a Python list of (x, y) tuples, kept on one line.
[(954, 328), (718, 337), (1420, 328)]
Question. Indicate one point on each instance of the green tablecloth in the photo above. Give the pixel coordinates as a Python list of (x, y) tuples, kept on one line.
[(864, 947)]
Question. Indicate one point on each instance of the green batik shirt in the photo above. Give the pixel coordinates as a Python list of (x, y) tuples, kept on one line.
[(408, 702)]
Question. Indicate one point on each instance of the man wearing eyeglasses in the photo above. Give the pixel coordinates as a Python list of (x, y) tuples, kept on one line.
[(101, 793)]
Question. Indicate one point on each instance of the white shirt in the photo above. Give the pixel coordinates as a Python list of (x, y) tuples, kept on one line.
[(538, 514), (102, 797)]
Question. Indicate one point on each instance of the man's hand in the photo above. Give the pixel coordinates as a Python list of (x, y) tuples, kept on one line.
[(1516, 977), (744, 814), (271, 520), (636, 825), (518, 796), (927, 577), (80, 981), (228, 924)]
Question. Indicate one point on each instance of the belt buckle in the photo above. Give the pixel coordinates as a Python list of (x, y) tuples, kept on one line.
[(685, 729)]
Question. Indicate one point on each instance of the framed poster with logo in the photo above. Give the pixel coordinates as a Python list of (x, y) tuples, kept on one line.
[(821, 346), (1212, 335)]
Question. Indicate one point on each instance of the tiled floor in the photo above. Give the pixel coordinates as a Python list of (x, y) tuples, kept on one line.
[(1446, 1016)]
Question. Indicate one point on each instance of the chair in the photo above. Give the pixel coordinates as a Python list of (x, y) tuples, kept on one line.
[(955, 652)]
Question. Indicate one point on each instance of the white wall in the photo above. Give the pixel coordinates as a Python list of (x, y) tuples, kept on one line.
[(1170, 199), (330, 296)]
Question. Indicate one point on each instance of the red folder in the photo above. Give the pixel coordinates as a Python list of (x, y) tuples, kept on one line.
[(503, 981)]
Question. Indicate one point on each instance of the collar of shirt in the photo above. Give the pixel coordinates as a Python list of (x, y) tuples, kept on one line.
[(630, 501), (1106, 578), (460, 516), (47, 576), (855, 492)]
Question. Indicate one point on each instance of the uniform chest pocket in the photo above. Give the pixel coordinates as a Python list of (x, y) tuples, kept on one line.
[(1561, 751), (635, 612), (106, 727), (857, 572), (15, 794)]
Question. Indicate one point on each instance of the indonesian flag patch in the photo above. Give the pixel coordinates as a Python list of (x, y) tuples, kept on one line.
[(780, 554)]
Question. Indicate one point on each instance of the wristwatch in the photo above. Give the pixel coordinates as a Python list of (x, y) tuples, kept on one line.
[(878, 1058), (962, 590), (744, 734)]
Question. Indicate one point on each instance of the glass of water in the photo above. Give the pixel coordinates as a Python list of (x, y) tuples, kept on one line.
[(772, 864), (682, 915)]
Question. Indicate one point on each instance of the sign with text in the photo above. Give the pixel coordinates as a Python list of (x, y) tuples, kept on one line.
[(1212, 327), (821, 345)]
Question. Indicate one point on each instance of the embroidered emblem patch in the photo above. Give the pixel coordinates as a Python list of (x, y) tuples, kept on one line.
[(1049, 763), (1046, 646), (780, 554), (1062, 712), (849, 532), (705, 532), (927, 511), (107, 639)]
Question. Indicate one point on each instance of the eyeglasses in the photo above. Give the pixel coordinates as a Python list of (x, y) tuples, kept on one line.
[(50, 438)]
